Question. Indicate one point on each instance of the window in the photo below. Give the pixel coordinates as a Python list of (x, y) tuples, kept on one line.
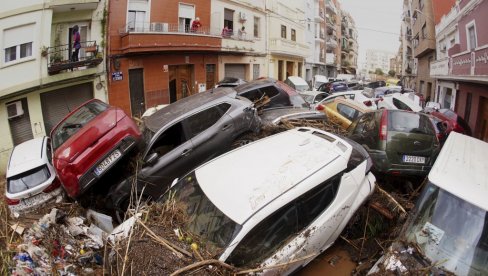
[(366, 124), (293, 35), (410, 123), (347, 111), (186, 13), (170, 139), (424, 32), (136, 21), (229, 19), (421, 90), (284, 224), (28, 180), (17, 44), (400, 105), (255, 71), (205, 119), (257, 23), (283, 31), (472, 37)]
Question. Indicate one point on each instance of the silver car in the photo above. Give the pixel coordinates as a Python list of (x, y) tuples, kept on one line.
[(185, 134)]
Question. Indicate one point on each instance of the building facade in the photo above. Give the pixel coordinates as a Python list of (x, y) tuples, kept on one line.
[(467, 64), (349, 44), (332, 25), (378, 59), (315, 37), (40, 79)]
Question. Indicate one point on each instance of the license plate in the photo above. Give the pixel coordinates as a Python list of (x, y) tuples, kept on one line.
[(114, 156), (414, 159)]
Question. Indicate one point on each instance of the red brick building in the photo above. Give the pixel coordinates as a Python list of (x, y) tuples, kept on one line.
[(154, 55), (468, 66)]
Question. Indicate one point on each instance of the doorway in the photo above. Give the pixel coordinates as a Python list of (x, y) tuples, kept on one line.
[(483, 120), (289, 68), (180, 82), (280, 70), (136, 90)]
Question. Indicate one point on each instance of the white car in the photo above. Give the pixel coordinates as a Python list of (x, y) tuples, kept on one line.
[(313, 97), (399, 101), (449, 224), (281, 198), (31, 178), (356, 95)]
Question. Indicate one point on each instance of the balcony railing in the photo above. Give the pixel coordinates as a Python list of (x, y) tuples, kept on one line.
[(60, 57), (175, 28)]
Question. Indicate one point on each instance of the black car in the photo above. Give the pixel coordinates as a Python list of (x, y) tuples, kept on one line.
[(182, 136), (335, 86), (279, 94), (375, 84), (230, 82)]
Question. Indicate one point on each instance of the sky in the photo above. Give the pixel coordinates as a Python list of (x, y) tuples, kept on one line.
[(377, 22)]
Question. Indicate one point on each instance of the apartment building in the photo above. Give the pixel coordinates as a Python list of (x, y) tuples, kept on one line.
[(315, 38), (378, 59), (465, 84), (349, 44), (332, 53), (287, 47), (409, 62), (40, 81)]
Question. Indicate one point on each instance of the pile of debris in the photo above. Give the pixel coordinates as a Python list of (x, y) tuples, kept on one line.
[(61, 242)]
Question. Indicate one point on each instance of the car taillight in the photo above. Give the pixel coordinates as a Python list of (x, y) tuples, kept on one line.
[(384, 126), (368, 103), (319, 107), (12, 201), (56, 183)]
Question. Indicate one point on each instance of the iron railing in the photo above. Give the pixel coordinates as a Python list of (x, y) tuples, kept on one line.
[(61, 58)]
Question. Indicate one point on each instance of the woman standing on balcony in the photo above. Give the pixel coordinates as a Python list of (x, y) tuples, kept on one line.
[(76, 43), (195, 25)]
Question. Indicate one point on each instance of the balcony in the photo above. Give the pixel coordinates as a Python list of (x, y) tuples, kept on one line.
[(330, 23), (330, 59), (281, 46), (159, 36), (331, 44), (330, 7), (59, 57), (72, 5), (439, 68), (320, 16)]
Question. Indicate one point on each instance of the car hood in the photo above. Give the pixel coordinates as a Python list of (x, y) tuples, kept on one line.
[(89, 134)]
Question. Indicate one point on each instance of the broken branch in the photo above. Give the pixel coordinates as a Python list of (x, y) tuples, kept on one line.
[(276, 266), (165, 242), (202, 263), (380, 209), (391, 199)]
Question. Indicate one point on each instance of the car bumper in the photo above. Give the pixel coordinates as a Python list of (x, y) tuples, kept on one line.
[(90, 178), (35, 202), (382, 164)]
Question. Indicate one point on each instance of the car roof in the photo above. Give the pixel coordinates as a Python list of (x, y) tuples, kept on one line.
[(297, 80), (461, 169), (311, 93), (254, 84), (246, 180), (357, 105), (188, 104), (27, 156)]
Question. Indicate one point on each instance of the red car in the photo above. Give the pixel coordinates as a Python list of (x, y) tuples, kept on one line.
[(458, 124), (88, 142)]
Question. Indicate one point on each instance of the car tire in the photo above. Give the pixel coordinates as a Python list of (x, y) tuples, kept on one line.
[(120, 208), (243, 140)]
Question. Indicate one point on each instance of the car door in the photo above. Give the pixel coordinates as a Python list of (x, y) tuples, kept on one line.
[(211, 132), (365, 130), (173, 150), (346, 114)]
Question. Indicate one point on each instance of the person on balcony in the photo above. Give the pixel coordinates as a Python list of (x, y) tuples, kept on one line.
[(195, 25), (242, 33), (76, 43), (226, 32)]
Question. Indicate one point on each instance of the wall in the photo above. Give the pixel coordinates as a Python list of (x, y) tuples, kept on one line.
[(423, 74), (477, 91), (479, 15)]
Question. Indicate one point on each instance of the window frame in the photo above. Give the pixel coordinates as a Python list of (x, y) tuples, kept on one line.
[(203, 122), (293, 35), (469, 25), (256, 26), (339, 110), (283, 31)]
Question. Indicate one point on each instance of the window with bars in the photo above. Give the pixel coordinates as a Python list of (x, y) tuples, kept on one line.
[(283, 31)]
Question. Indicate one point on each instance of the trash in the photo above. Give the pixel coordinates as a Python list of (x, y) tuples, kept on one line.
[(17, 228), (101, 220), (123, 230)]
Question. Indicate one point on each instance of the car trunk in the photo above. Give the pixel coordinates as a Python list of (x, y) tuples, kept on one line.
[(410, 140), (88, 135)]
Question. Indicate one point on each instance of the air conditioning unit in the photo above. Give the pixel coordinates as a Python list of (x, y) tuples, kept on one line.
[(158, 27), (14, 109), (242, 16)]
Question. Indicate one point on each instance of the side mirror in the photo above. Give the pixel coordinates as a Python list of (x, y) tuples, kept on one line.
[(151, 158)]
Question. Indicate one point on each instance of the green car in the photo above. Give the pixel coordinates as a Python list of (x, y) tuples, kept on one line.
[(399, 142)]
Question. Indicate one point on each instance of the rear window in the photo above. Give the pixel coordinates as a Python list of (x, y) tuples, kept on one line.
[(400, 105), (27, 180), (75, 122), (410, 123)]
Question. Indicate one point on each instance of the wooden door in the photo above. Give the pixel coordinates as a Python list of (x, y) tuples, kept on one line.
[(180, 81), (483, 119)]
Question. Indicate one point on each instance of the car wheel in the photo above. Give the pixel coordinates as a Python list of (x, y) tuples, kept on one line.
[(243, 140), (120, 208)]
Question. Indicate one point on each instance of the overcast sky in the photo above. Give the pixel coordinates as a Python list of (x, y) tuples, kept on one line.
[(378, 24)]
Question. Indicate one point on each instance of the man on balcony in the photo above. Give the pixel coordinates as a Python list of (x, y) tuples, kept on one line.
[(76, 43)]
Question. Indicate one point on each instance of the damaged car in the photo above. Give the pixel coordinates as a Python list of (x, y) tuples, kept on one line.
[(290, 203), (31, 179), (448, 231), (184, 135), (399, 142), (88, 142)]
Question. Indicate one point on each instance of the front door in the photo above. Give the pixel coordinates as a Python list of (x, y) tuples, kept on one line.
[(136, 88), (210, 76), (289, 69), (180, 81), (483, 120)]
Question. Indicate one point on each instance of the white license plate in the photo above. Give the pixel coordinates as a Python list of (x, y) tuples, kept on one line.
[(114, 156), (414, 159)]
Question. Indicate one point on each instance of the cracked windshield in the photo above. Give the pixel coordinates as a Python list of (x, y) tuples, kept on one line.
[(244, 137)]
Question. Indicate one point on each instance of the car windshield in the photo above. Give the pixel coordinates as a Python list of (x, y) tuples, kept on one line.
[(308, 98), (75, 122), (409, 122), (295, 99), (450, 231), (204, 219), (27, 180)]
